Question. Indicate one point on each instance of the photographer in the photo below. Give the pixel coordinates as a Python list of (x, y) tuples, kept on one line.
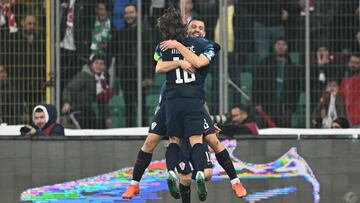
[(241, 122), (44, 122)]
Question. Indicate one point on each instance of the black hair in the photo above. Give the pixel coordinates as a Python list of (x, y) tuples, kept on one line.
[(280, 39), (130, 4), (38, 110), (170, 24), (98, 57), (241, 107), (198, 19), (355, 54), (343, 122), (107, 4)]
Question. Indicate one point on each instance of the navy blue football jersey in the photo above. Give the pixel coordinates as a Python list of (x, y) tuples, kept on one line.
[(179, 83)]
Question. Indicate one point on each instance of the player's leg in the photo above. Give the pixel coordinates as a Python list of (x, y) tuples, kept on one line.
[(185, 170), (143, 160), (208, 169), (172, 159), (199, 159), (223, 157), (175, 130), (194, 128), (208, 174), (185, 187), (145, 153)]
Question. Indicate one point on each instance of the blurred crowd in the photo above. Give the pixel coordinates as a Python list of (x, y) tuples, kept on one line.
[(99, 55)]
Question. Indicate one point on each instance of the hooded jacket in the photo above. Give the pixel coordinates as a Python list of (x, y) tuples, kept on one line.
[(51, 128)]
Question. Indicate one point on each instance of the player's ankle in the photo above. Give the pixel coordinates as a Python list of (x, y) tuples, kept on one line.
[(235, 181), (134, 182)]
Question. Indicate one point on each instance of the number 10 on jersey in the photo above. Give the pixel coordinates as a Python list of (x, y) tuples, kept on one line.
[(187, 77)]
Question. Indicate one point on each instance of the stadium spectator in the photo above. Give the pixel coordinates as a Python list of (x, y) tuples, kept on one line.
[(75, 21), (89, 86), (189, 12), (330, 107), (242, 123), (44, 122), (209, 11), (340, 122), (269, 18), (7, 16), (350, 89), (355, 46), (322, 16), (126, 61), (324, 68), (8, 99), (118, 12), (24, 57), (101, 30), (277, 84), (347, 25)]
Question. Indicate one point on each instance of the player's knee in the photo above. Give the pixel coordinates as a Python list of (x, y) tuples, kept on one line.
[(208, 174), (185, 179), (214, 143), (151, 142)]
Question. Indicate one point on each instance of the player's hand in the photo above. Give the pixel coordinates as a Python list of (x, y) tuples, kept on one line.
[(186, 66), (168, 44)]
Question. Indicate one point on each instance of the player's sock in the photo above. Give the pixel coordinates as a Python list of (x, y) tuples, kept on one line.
[(185, 192), (225, 162), (171, 156), (198, 156), (142, 162)]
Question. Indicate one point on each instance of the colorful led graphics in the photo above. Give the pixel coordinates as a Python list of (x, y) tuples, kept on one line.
[(109, 187)]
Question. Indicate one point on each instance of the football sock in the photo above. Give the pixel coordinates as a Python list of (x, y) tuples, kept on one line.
[(171, 156), (185, 192), (198, 155), (142, 162), (225, 162)]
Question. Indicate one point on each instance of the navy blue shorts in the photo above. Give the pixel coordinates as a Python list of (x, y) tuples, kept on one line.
[(157, 125), (185, 117), (185, 165), (208, 125)]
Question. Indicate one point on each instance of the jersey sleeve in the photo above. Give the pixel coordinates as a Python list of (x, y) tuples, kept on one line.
[(158, 53), (209, 53), (210, 49)]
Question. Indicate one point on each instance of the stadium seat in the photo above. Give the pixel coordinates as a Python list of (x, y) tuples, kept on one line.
[(117, 111), (298, 117)]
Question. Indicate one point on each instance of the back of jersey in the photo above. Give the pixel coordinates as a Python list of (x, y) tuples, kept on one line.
[(181, 83)]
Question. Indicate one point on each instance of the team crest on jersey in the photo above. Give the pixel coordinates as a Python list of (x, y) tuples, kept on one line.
[(153, 125), (182, 165)]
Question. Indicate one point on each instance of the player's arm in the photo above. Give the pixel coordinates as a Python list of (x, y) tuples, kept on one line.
[(195, 60), (166, 66)]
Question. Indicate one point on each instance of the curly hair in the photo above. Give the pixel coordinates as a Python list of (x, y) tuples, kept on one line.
[(170, 24)]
